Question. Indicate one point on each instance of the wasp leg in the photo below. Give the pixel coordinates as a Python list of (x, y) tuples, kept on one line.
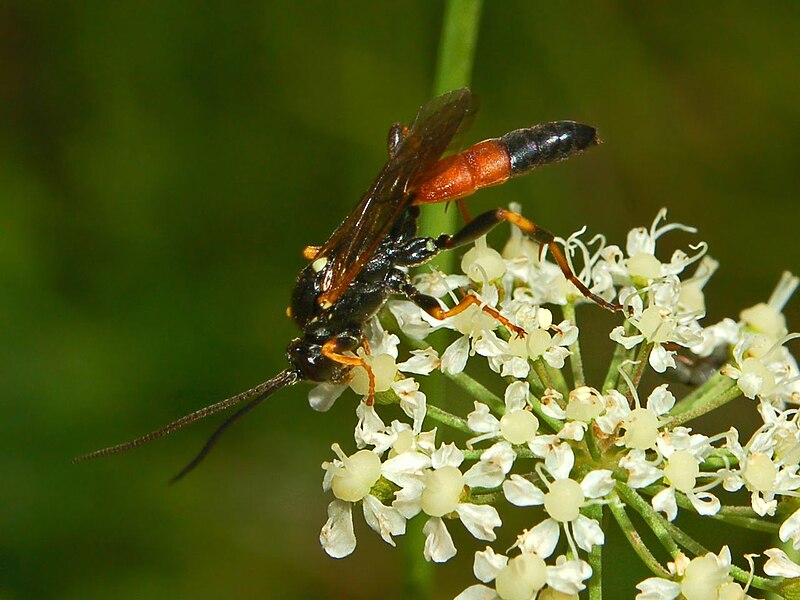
[(484, 223), (431, 306), (310, 252), (333, 348), (462, 208)]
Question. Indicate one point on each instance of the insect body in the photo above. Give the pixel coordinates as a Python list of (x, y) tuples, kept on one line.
[(365, 260)]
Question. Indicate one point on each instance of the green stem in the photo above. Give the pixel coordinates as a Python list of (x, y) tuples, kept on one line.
[(543, 374), (595, 512), (654, 521), (718, 396), (457, 45), (637, 370), (591, 445), (479, 392), (576, 358), (620, 354), (449, 419), (635, 540), (738, 516), (453, 70), (537, 387), (419, 574), (490, 498), (677, 535), (520, 451), (690, 400), (557, 377)]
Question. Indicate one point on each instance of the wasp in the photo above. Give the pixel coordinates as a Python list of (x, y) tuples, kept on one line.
[(366, 259)]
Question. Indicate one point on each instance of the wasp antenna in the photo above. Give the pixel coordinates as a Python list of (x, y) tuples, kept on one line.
[(259, 392), (284, 379)]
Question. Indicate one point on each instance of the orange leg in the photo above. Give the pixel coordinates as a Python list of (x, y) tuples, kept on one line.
[(482, 224), (431, 306), (462, 208), (332, 350)]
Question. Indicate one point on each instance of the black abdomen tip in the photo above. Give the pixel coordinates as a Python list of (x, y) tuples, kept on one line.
[(546, 143)]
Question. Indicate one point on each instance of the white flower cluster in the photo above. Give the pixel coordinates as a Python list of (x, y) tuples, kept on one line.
[(571, 450)]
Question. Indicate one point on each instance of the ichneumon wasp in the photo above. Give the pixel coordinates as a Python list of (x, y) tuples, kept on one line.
[(366, 259)]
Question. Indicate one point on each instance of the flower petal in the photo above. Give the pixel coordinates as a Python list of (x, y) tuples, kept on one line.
[(439, 545), (337, 536), (385, 520), (522, 492), (588, 533), (322, 396), (487, 564), (480, 520)]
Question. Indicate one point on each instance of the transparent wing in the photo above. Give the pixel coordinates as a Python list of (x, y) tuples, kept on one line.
[(355, 240)]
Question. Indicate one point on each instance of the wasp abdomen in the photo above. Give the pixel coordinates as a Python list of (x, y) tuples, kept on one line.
[(546, 143)]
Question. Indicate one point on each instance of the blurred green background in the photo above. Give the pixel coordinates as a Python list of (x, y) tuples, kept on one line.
[(162, 164)]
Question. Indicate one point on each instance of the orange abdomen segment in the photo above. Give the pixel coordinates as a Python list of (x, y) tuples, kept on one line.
[(485, 164)]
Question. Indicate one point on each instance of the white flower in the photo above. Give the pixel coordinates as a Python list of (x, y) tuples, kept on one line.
[(523, 576), (518, 425), (351, 479), (562, 502), (780, 565), (703, 577), (437, 492), (764, 475)]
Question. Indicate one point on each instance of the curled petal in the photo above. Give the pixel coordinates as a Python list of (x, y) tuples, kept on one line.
[(422, 362), (480, 520), (661, 359), (487, 564), (481, 420), (655, 588), (491, 469), (790, 530), (779, 564), (560, 460), (541, 540), (597, 483), (567, 576), (640, 472), (407, 500), (454, 358), (660, 400), (521, 492), (664, 501), (406, 466), (322, 396), (412, 402), (447, 455), (439, 545), (370, 428), (478, 592), (337, 536), (618, 335), (588, 533), (385, 520), (704, 503), (516, 396)]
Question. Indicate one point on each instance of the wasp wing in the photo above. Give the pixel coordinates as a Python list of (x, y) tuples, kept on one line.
[(356, 239)]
